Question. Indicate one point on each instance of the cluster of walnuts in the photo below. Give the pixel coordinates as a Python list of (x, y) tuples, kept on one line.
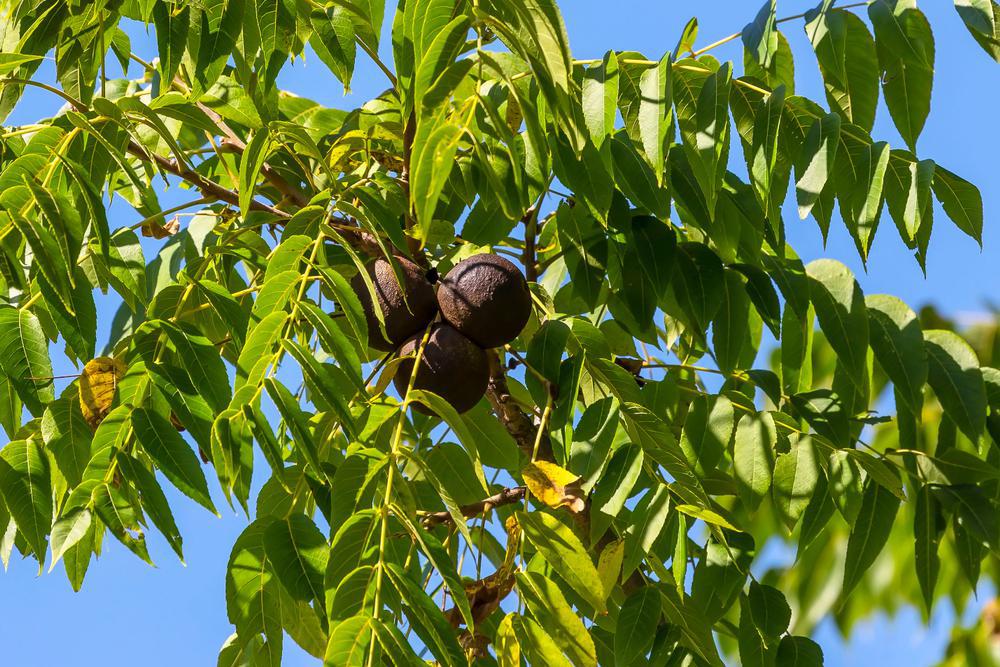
[(483, 302)]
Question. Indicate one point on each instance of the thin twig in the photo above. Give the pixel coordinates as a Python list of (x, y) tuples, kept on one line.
[(507, 496)]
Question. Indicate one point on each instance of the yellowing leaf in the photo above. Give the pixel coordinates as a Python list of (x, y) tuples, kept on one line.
[(513, 529), (708, 516), (554, 486), (609, 565), (97, 388), (154, 228)]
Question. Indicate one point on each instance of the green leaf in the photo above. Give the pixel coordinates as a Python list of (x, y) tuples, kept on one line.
[(702, 105), (636, 179), (768, 169), (433, 157), (842, 315), (769, 610), (826, 412), (268, 25), (24, 358), (586, 174), (117, 512), (426, 619), (298, 553), (961, 200), (975, 513), (491, 442), (585, 249), (251, 163), (977, 15), (535, 31), (26, 489), (860, 176), (848, 62), (79, 327), (333, 41), (350, 542), (349, 304), (815, 166), (653, 436), (395, 644), (614, 487), (592, 439), (67, 436), (928, 525), (656, 247), (762, 294), (172, 24), (538, 646), (635, 629), (456, 471), (955, 377), (780, 71), (795, 478), (708, 430), (439, 558), (154, 502), (754, 650), (695, 629), (215, 28), (437, 74), (760, 36), (335, 342), (868, 534), (68, 531), (441, 407), (753, 457), (125, 268), (263, 340), (969, 550), (200, 359), (172, 455), (697, 285), (296, 421), (549, 607), (647, 523), (898, 344), (982, 19), (46, 256), (736, 329), (817, 513), (349, 642), (252, 594), (656, 126), (908, 194), (11, 62), (796, 651), (880, 471), (600, 98), (565, 553), (322, 378), (905, 46), (688, 37)]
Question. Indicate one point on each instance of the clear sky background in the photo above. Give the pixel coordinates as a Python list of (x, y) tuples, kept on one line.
[(131, 614)]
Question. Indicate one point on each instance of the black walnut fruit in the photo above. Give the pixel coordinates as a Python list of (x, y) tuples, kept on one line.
[(403, 318), (452, 366), (486, 298)]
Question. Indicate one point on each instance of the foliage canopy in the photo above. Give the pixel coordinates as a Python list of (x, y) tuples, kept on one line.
[(641, 439)]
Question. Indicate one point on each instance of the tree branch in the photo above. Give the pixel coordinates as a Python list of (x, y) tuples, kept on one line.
[(207, 186), (521, 427), (507, 496)]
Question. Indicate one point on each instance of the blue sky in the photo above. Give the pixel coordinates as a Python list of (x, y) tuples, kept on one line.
[(129, 613)]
